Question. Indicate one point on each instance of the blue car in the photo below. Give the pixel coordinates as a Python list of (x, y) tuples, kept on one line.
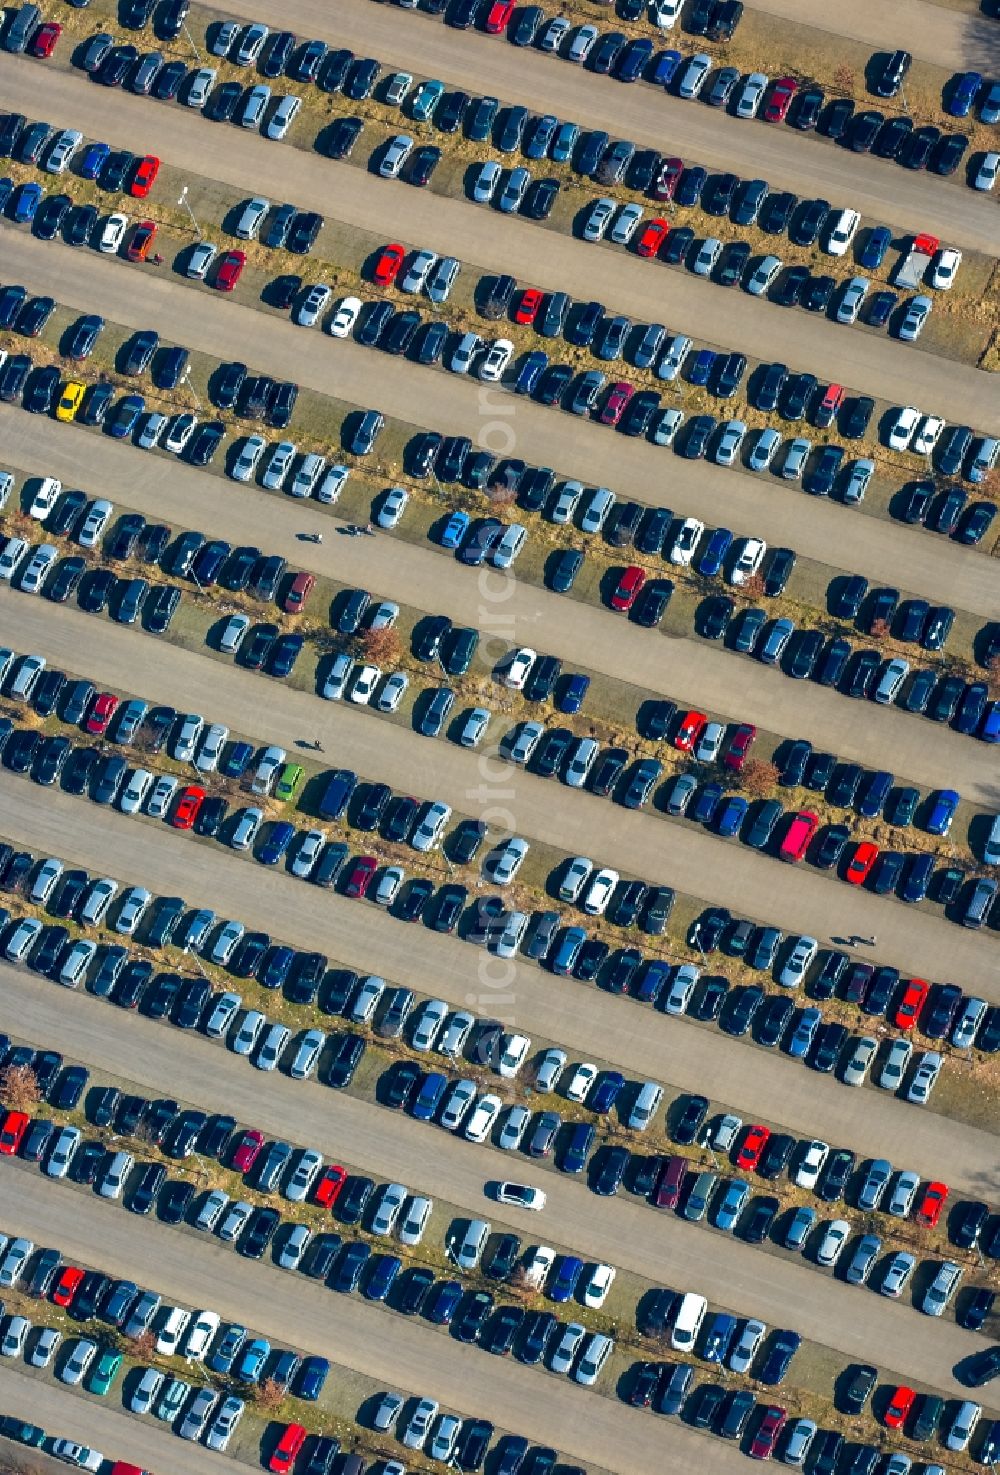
[(566, 1278), (426, 100), (990, 730), (531, 371), (964, 91), (943, 812), (872, 254), (278, 840), (802, 1036), (382, 1277), (443, 1302), (312, 1375), (250, 1365), (353, 1260), (707, 802), (237, 759), (94, 158), (572, 692), (564, 143), (429, 1096), (226, 1353), (126, 415), (710, 560), (276, 966), (731, 816), (665, 68), (455, 529), (701, 366), (605, 1093), (26, 200), (719, 1333), (7, 187), (650, 981)]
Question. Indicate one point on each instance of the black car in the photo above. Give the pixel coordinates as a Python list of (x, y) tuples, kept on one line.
[(858, 1388), (776, 211), (856, 416), (688, 1125), (805, 225), (835, 1175)]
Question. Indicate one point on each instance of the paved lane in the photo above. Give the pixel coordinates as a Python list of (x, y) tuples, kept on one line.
[(862, 360), (661, 1248), (961, 40), (768, 1088), (690, 860)]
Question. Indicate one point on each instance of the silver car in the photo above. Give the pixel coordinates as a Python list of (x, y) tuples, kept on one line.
[(598, 219), (193, 1424), (397, 151)]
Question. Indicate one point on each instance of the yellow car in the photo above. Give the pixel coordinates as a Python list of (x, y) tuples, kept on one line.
[(72, 398)]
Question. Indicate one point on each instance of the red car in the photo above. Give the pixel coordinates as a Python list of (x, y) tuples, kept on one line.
[(230, 270), (652, 238), (14, 1128), (499, 14), (104, 708), (144, 176), (932, 1201), (798, 835), (753, 1145), (388, 264), (66, 1285), (142, 238), (666, 181), (629, 584), (782, 92), (910, 1004), (527, 308), (287, 1448), (246, 1150), (188, 805), (864, 858), (899, 1406), (360, 876), (43, 42), (690, 730), (614, 406), (768, 1430), (327, 1190), (734, 755), (295, 599)]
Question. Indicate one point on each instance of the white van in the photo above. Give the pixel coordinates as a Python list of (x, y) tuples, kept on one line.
[(645, 1107), (687, 1323)]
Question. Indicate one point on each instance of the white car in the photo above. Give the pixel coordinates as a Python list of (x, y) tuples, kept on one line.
[(625, 226), (575, 877), (279, 463), (988, 171), (363, 685), (366, 1000), (862, 1055), (397, 151), (112, 233), (514, 1127), (428, 1023), (537, 1266), (924, 1078), (801, 956), (581, 1081), (708, 255), (762, 279), (598, 219), (750, 95), (60, 1154), (664, 13), (248, 459), (810, 1164), (748, 560), (392, 507), (90, 530), (582, 44), (903, 427), (597, 1286), (45, 498), (344, 317), (482, 1117), (414, 279), (271, 762), (200, 1333), (928, 435), (520, 1196), (517, 667), (147, 1390), (393, 691), (944, 269), (200, 258), (212, 743), (484, 186), (249, 1032), (513, 1053), (133, 907), (551, 1067), (708, 745), (232, 636), (200, 84), (692, 78), (276, 127), (686, 541), (160, 799), (728, 446), (599, 892), (416, 1432), (503, 863), (61, 150), (229, 1413), (41, 561), (497, 358), (310, 309), (835, 1237)]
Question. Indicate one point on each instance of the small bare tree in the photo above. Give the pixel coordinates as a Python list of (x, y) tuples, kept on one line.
[(269, 1395), (879, 628), (141, 1347), (381, 647), (845, 79), (759, 778), (753, 587), (19, 1088), (993, 674)]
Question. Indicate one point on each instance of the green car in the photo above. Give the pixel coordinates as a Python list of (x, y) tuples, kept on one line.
[(24, 1433), (288, 782), (104, 1371)]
